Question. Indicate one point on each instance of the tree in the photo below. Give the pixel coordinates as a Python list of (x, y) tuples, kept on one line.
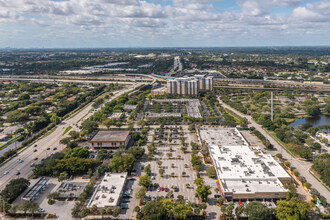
[(63, 176), (221, 200), (89, 126), (292, 193), (108, 122), (23, 96), (211, 173), (66, 140), (314, 193), (17, 116), (54, 118), (202, 192), (116, 211), (287, 164), (30, 206), (5, 204), (72, 145), (244, 123), (230, 208), (141, 193), (257, 211), (136, 151), (144, 181), (74, 134), (296, 173), (239, 210), (147, 169), (159, 163), (302, 179), (199, 181), (154, 210), (279, 156), (313, 110), (161, 172), (122, 163), (292, 209), (14, 188)]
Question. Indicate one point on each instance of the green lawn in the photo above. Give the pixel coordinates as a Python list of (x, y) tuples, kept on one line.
[(67, 129)]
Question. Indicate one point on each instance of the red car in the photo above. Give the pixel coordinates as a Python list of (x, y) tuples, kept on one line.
[(162, 189), (166, 189), (36, 158)]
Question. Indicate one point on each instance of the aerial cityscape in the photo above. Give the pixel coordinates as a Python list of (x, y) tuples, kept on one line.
[(174, 109)]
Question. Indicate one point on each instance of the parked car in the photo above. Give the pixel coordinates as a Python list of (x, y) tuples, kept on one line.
[(35, 150), (124, 206), (6, 172)]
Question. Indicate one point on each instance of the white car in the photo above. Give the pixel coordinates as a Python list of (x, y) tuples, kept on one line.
[(20, 160), (5, 173)]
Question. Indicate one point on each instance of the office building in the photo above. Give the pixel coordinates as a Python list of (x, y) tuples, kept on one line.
[(109, 139), (244, 172), (189, 86)]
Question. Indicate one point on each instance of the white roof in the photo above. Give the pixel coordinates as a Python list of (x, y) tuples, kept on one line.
[(241, 168), (108, 192)]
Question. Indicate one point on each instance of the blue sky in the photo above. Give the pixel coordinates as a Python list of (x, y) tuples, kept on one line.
[(163, 23)]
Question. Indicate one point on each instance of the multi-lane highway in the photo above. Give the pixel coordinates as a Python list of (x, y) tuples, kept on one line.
[(46, 145)]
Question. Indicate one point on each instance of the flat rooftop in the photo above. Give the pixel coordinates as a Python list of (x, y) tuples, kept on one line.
[(71, 189), (116, 115), (240, 167), (110, 136), (129, 107), (222, 136), (108, 192)]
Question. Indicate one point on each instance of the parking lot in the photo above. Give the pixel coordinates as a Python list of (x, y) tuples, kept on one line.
[(62, 209)]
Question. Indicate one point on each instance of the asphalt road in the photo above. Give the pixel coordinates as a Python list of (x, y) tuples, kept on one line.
[(51, 141), (302, 166)]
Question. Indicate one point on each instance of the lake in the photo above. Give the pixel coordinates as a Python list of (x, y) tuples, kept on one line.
[(312, 121)]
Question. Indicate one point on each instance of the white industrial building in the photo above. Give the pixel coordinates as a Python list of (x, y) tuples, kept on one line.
[(109, 192), (244, 172)]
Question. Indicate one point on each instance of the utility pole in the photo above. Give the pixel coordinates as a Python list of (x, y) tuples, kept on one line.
[(272, 106)]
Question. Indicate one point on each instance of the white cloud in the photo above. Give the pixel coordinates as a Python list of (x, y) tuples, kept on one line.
[(179, 19)]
